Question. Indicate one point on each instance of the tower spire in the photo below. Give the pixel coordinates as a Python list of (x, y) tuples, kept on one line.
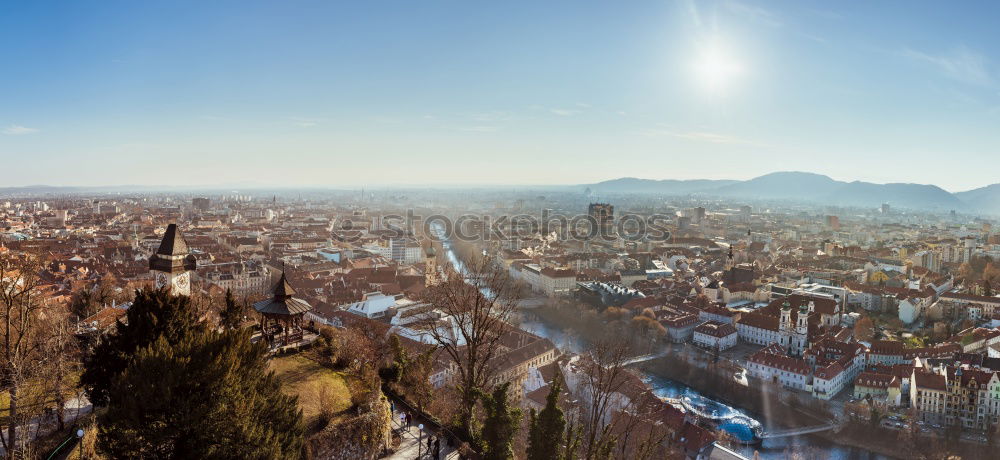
[(172, 263)]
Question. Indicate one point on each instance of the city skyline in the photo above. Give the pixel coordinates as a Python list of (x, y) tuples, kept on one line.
[(567, 229), (513, 94)]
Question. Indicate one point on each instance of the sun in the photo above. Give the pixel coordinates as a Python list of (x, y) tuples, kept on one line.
[(715, 68)]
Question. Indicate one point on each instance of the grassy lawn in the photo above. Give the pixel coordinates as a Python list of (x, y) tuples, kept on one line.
[(317, 387), (32, 393)]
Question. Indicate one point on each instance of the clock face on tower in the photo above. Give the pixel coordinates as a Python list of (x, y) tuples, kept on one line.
[(161, 280), (182, 282)]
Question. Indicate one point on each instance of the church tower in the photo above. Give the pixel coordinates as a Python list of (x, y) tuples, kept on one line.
[(801, 340), (730, 261), (785, 327), (803, 321), (172, 263), (786, 316), (430, 266)]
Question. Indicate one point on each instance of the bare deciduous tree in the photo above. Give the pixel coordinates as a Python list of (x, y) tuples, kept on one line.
[(477, 315), (24, 339), (640, 436), (605, 376), (63, 360)]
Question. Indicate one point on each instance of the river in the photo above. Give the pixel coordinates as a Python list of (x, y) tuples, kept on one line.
[(777, 448)]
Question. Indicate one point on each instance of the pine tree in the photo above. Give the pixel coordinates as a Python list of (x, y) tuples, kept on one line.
[(574, 434), (153, 314), (231, 317), (208, 396), (545, 434), (500, 425)]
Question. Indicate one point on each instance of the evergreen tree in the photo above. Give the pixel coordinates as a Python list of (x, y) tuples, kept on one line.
[(231, 317), (545, 434), (153, 314), (574, 434), (208, 396), (410, 373), (500, 425)]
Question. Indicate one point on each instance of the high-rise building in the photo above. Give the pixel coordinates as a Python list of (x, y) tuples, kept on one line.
[(886, 209), (699, 214), (604, 215), (200, 203), (930, 260), (833, 222), (397, 249)]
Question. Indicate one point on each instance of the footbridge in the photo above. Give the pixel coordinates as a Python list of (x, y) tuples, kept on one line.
[(797, 431), (644, 358)]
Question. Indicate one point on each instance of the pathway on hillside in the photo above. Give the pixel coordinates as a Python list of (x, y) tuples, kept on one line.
[(43, 425), (408, 448)]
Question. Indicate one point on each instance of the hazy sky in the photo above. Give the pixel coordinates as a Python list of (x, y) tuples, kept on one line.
[(502, 92)]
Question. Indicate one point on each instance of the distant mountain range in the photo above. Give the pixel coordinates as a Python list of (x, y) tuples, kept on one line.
[(985, 198), (790, 186), (816, 188)]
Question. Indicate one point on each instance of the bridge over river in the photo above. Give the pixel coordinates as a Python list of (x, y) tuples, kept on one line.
[(797, 431), (644, 358), (735, 417)]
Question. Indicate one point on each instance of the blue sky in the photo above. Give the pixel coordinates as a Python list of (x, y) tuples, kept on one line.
[(457, 92)]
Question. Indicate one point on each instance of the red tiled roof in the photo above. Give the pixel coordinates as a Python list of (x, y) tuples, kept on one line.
[(829, 371), (768, 357), (696, 438), (640, 303), (760, 321), (876, 380), (930, 381), (716, 329), (555, 273), (683, 320), (886, 347), (970, 297), (820, 305)]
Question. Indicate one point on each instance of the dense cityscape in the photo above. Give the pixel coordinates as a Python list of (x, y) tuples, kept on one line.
[(763, 329)]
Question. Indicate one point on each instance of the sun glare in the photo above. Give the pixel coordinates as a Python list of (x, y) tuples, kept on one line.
[(715, 68)]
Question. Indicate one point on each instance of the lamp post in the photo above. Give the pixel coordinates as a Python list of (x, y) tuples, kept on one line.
[(79, 435), (420, 439)]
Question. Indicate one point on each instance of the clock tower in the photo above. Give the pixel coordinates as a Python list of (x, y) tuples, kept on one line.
[(172, 264)]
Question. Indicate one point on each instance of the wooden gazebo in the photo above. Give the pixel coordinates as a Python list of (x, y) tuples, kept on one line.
[(281, 315)]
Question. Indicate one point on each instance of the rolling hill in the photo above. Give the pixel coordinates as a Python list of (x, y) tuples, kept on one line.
[(666, 186), (819, 189), (985, 199)]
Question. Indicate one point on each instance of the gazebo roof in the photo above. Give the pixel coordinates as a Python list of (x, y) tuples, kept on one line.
[(283, 289), (282, 303)]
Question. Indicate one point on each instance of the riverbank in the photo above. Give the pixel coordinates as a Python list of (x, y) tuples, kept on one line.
[(773, 407), (568, 325), (779, 408)]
